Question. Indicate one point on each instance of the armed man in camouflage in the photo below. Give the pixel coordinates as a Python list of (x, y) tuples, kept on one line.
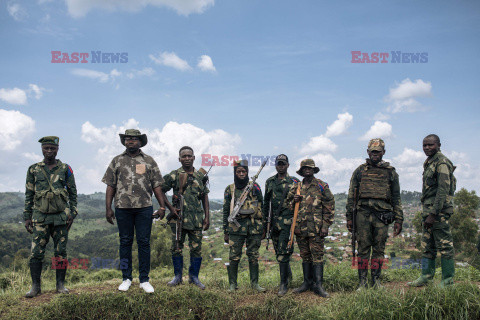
[(438, 190), (195, 218), (131, 178), (251, 230), (276, 188), (50, 207), (315, 216), (377, 188)]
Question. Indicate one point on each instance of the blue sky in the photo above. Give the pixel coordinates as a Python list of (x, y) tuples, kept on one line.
[(238, 77)]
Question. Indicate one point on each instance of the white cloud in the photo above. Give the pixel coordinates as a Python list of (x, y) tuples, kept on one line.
[(147, 72), (205, 63), (380, 116), (79, 8), (379, 129), (402, 98), (170, 59), (340, 125), (16, 11), (36, 90), (32, 156), (319, 143), (97, 75), (15, 126), (409, 157), (13, 96)]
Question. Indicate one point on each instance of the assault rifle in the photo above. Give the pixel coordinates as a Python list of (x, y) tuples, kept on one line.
[(232, 218), (178, 204), (269, 223), (354, 224), (294, 221)]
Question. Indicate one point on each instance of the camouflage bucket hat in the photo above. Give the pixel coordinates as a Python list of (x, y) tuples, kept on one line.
[(49, 140), (134, 133), (376, 144), (307, 163)]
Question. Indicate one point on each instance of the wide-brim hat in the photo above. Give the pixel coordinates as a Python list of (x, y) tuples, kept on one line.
[(134, 133), (307, 163)]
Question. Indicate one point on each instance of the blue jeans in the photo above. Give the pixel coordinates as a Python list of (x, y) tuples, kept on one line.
[(129, 220)]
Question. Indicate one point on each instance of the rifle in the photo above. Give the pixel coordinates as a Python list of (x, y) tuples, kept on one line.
[(269, 223), (178, 216), (205, 174), (354, 227), (294, 221), (232, 218)]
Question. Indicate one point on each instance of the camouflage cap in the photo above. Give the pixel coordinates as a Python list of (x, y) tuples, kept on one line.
[(240, 163), (307, 163), (281, 157), (49, 140), (376, 144), (134, 133)]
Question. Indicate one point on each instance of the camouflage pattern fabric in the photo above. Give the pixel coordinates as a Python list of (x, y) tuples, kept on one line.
[(438, 238), (372, 234), (250, 224), (134, 179), (194, 242), (61, 177), (383, 180), (280, 227), (253, 242), (193, 193), (316, 209), (41, 236), (311, 248)]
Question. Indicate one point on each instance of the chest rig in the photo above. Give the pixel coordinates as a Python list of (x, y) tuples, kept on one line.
[(375, 183)]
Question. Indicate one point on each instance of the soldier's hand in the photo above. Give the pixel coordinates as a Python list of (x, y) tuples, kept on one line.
[(159, 214), (110, 216), (428, 223), (264, 234), (324, 232), (350, 225), (297, 198), (397, 228), (226, 238), (69, 222), (29, 225), (206, 224)]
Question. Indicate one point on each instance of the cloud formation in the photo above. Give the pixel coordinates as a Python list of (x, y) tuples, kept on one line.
[(96, 75), (205, 63), (380, 129), (15, 127), (13, 96), (340, 125), (403, 97), (16, 11), (170, 59)]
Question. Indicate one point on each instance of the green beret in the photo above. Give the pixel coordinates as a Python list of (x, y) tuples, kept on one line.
[(49, 140)]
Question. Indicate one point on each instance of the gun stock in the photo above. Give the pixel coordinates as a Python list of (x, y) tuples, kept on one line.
[(294, 222), (354, 227), (269, 223)]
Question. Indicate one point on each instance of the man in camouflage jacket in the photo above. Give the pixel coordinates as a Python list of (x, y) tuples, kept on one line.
[(195, 218), (276, 189), (377, 188), (315, 216), (438, 190), (251, 230), (50, 207)]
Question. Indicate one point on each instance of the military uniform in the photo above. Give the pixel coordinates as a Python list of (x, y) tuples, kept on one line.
[(50, 199), (438, 191), (193, 215)]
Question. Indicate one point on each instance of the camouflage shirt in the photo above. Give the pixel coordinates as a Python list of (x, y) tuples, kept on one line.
[(316, 209), (252, 223), (133, 179), (193, 193), (439, 185), (394, 204), (61, 176), (274, 192)]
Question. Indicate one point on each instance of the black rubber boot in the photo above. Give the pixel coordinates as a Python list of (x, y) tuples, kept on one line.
[(282, 290), (376, 276), (61, 280), (177, 270), (232, 269), (253, 268), (318, 278), (195, 263), (36, 274), (362, 277), (307, 278), (290, 274)]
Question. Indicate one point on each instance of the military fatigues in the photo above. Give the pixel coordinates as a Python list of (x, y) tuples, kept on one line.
[(46, 225), (275, 192), (250, 220), (378, 190), (316, 211), (193, 212)]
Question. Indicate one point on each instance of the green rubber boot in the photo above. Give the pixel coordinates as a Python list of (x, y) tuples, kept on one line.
[(232, 269), (428, 272), (253, 268), (448, 271)]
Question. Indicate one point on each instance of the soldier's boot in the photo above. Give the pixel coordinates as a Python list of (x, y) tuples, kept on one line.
[(428, 272), (448, 271), (307, 278), (362, 279), (318, 280), (61, 280), (195, 263), (253, 268), (232, 269), (282, 290), (36, 274), (290, 275), (376, 273), (177, 270)]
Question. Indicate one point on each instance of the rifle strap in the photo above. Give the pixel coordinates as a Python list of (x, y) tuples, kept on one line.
[(232, 201)]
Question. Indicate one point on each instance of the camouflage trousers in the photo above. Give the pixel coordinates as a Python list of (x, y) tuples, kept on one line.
[(372, 235), (311, 248), (194, 242), (41, 236), (252, 241), (280, 242), (438, 238)]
